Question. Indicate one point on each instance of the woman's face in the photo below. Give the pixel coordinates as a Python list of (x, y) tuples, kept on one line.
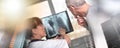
[(41, 30)]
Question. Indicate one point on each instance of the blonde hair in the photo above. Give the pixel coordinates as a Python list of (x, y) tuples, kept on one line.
[(34, 22)]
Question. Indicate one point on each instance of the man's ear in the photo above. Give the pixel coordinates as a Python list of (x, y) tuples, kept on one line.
[(72, 8)]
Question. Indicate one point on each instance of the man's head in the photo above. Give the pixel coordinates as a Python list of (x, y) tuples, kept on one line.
[(77, 7), (37, 28)]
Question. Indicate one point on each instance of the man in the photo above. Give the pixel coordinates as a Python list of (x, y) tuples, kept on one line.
[(38, 32), (95, 17), (79, 9)]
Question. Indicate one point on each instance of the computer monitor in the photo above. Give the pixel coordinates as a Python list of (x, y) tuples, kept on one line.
[(52, 24)]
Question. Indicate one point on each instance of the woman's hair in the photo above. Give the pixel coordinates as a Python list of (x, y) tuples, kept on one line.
[(34, 22)]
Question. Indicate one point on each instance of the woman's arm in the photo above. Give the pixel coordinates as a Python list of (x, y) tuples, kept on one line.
[(66, 37)]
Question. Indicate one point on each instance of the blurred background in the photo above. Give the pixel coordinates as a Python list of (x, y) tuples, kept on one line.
[(106, 12)]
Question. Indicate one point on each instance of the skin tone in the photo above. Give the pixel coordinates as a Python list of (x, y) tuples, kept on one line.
[(66, 37), (39, 32), (79, 13), (81, 21)]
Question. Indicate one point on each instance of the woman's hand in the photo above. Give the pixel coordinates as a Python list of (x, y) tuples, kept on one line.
[(62, 31), (63, 34)]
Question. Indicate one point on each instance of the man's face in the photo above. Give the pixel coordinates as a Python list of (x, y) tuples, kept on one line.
[(79, 11)]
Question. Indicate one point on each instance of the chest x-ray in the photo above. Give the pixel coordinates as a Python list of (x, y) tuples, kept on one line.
[(54, 22)]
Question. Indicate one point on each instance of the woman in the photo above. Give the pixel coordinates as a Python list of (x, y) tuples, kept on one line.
[(38, 32)]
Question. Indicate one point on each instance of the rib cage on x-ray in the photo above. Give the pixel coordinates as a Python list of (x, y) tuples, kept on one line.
[(54, 22), (50, 26), (61, 23)]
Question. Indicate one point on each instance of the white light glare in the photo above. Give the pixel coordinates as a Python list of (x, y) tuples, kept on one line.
[(12, 6), (12, 9)]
